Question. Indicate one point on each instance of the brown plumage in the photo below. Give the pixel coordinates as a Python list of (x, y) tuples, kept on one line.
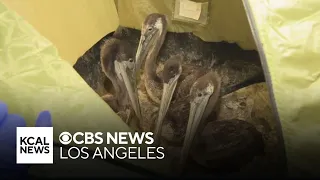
[(112, 50), (153, 34), (152, 37), (227, 145), (178, 111), (221, 146), (188, 75), (204, 96)]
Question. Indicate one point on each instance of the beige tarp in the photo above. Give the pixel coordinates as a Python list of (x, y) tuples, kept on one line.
[(73, 27), (288, 30), (289, 34), (33, 78), (227, 21)]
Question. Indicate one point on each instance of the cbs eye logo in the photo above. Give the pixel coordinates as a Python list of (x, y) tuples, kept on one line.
[(65, 138)]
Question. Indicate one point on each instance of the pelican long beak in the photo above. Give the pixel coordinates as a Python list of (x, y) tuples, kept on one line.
[(195, 116), (141, 52), (145, 43), (130, 84), (167, 93)]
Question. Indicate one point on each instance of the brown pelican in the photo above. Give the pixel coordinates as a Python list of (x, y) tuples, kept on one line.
[(171, 72), (204, 95), (153, 33), (117, 61), (224, 145), (227, 145)]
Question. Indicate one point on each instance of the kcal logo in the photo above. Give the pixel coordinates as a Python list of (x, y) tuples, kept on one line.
[(34, 145)]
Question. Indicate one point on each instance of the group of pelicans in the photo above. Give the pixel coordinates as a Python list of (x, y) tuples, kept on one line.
[(185, 94)]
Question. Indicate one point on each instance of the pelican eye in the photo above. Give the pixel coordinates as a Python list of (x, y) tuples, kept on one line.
[(131, 60)]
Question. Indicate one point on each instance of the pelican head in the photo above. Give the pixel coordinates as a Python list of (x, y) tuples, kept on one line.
[(125, 71), (203, 96), (171, 72), (153, 31)]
